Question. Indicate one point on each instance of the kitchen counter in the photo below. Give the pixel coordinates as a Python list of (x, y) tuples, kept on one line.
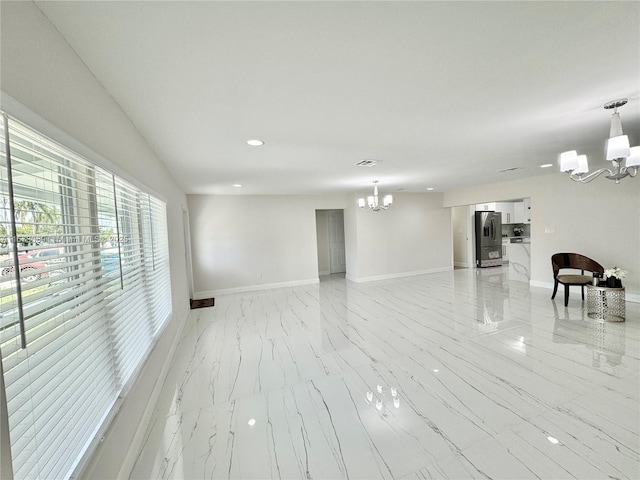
[(520, 261)]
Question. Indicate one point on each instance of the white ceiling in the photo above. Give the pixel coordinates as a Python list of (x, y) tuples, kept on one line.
[(444, 93)]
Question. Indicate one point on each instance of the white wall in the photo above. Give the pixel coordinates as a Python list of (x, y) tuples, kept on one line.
[(237, 238), (243, 242), (600, 220), (53, 86), (351, 212), (412, 237)]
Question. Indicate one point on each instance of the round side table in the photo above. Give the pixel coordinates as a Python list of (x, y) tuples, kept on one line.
[(605, 303)]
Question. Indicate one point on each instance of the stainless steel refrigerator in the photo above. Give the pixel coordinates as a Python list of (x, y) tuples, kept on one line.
[(488, 239)]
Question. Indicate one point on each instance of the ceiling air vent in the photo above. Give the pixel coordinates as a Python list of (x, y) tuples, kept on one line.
[(509, 169), (367, 163)]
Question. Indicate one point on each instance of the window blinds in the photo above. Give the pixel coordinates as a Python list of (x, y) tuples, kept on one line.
[(91, 291)]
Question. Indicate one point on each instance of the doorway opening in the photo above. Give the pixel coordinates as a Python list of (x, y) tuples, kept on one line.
[(331, 244), (462, 226)]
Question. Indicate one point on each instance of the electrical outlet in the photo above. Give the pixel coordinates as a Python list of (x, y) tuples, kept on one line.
[(259, 276), (550, 230)]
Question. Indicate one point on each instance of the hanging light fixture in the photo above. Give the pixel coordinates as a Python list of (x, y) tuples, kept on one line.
[(617, 152), (372, 200)]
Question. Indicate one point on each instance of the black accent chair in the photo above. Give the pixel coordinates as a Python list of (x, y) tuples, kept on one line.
[(574, 261)]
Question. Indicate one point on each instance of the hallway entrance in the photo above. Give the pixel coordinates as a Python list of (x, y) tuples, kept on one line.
[(330, 240)]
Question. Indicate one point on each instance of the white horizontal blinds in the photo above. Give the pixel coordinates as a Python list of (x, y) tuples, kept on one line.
[(158, 271), (14, 360), (62, 385), (95, 289), (132, 329)]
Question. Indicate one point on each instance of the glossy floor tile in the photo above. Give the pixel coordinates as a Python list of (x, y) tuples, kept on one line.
[(460, 374)]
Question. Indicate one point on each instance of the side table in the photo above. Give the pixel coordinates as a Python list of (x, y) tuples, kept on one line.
[(605, 303)]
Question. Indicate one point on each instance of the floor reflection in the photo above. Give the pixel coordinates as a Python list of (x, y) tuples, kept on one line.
[(334, 318), (606, 339)]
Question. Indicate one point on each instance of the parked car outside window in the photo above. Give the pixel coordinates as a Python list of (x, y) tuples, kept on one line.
[(49, 255), (29, 272)]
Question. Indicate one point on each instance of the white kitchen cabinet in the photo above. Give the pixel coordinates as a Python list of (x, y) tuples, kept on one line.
[(506, 210), (511, 212), (486, 207), (518, 212), (522, 211)]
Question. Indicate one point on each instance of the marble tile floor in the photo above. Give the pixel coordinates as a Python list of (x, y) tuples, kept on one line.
[(460, 374)]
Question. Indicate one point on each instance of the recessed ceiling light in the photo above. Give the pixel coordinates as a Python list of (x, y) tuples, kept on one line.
[(553, 440), (429, 188), (252, 422), (546, 165), (255, 142), (237, 185)]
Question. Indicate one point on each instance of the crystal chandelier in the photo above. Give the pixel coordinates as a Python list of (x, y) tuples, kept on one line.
[(617, 149), (372, 200)]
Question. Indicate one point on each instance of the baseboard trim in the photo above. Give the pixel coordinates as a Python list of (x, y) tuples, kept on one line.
[(537, 283), (398, 275), (463, 265), (629, 297), (254, 288)]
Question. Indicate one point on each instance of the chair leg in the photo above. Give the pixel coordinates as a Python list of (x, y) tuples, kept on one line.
[(555, 289), (566, 295), (582, 288)]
